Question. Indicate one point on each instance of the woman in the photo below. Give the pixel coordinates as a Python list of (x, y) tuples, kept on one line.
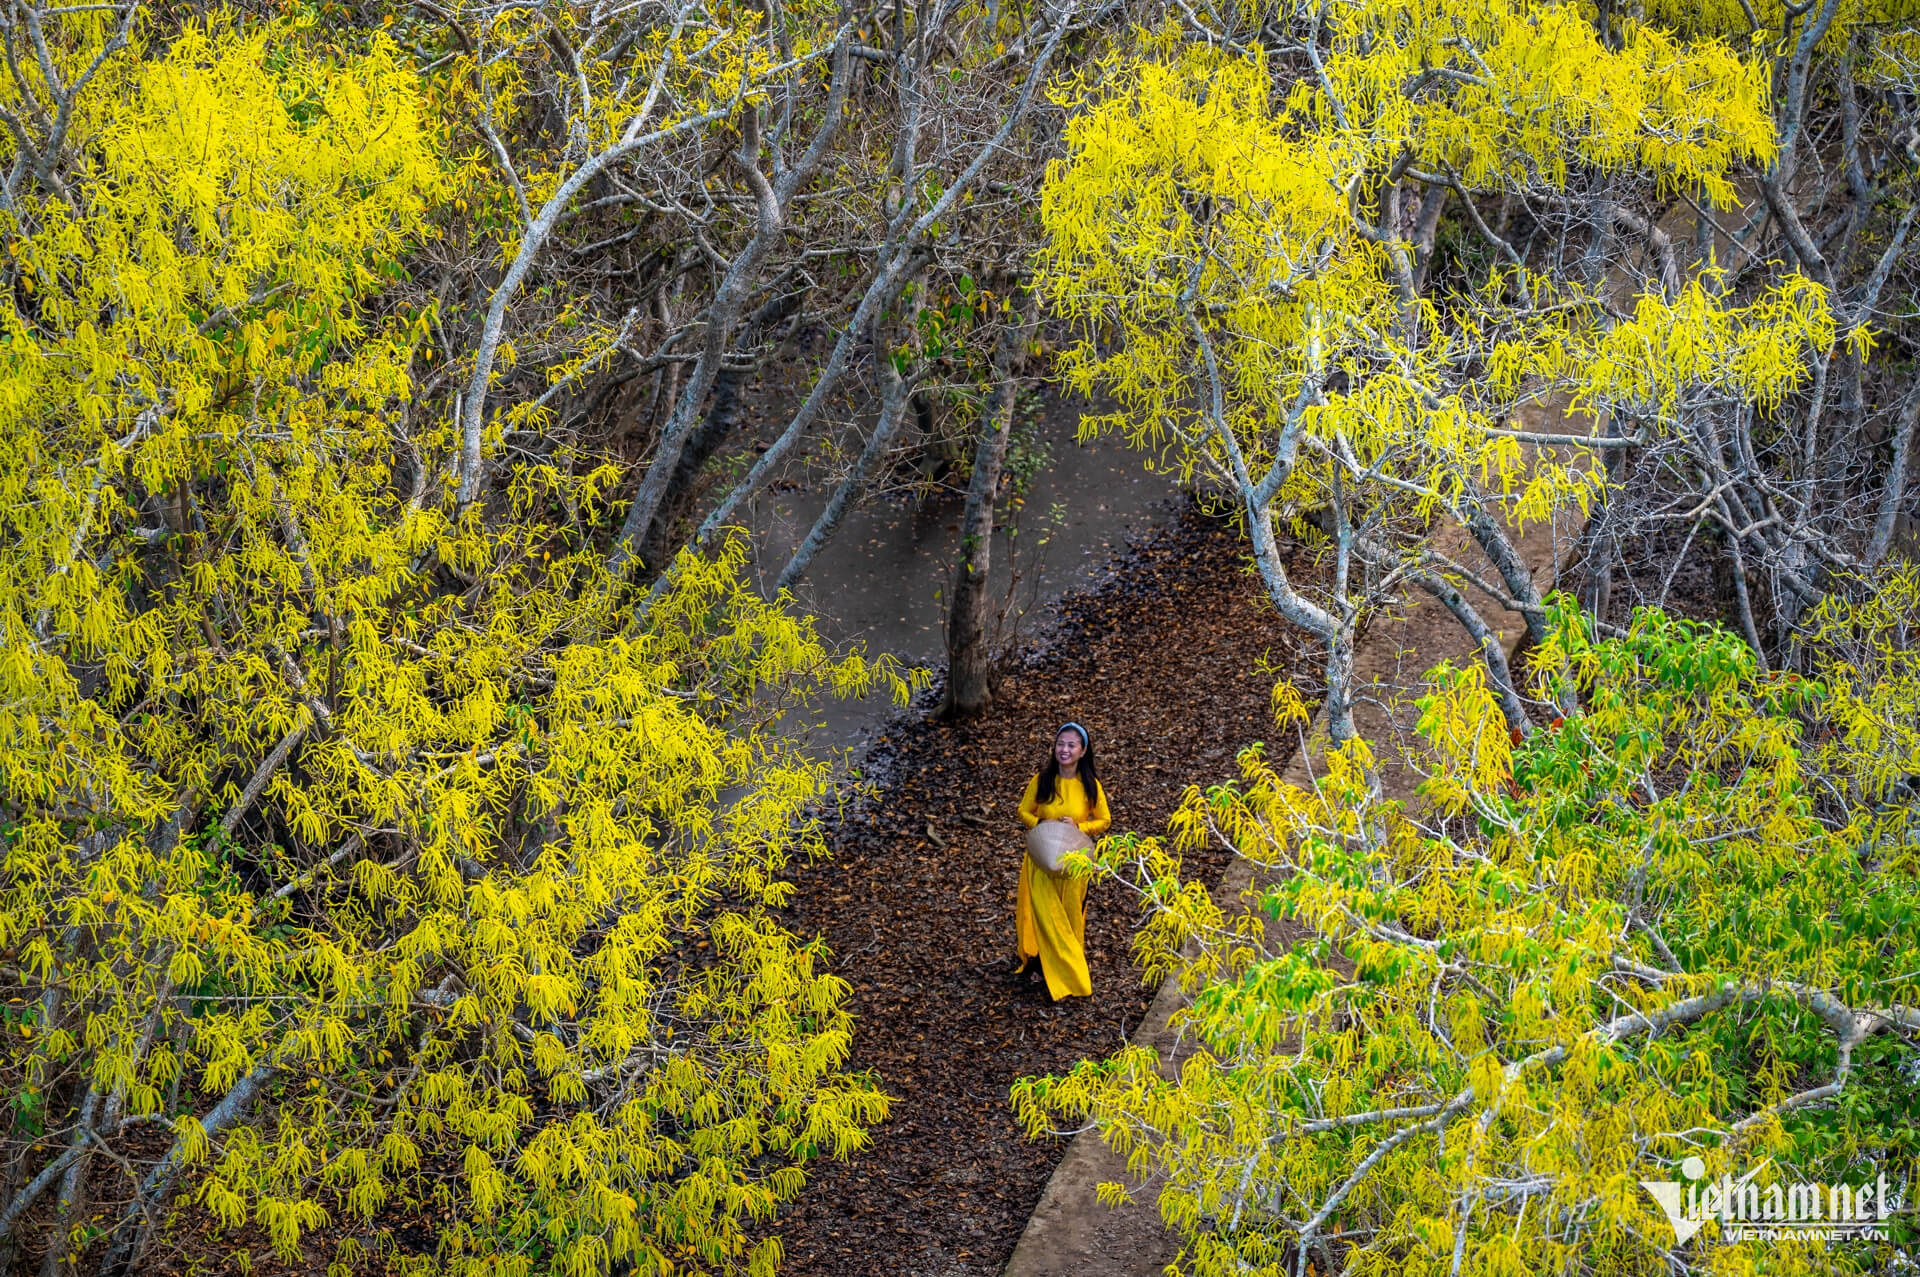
[(1049, 914)]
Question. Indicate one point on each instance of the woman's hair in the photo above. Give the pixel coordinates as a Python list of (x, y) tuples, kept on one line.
[(1049, 787)]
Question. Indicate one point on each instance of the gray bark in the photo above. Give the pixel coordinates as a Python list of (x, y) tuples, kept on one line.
[(905, 252), (1337, 632), (969, 687), (723, 315), (471, 417), (135, 1232), (1507, 560), (1426, 230), (1499, 672), (716, 427), (1895, 491), (72, 1202)]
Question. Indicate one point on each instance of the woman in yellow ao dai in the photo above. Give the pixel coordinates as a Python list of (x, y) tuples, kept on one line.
[(1049, 911)]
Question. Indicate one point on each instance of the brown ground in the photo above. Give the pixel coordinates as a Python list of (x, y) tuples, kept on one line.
[(1160, 664)]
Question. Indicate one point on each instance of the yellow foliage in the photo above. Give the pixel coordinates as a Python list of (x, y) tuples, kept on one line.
[(1434, 1012), (384, 826), (1196, 221)]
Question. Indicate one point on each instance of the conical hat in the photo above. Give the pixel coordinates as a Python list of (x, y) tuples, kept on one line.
[(1049, 842)]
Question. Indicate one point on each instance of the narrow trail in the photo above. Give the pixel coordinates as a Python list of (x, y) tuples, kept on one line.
[(1162, 662)]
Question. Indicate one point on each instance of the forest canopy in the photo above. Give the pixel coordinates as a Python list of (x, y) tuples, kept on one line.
[(392, 783), (1386, 270), (363, 854)]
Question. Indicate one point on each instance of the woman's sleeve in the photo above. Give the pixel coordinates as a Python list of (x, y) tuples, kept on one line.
[(1029, 803), (1099, 818)]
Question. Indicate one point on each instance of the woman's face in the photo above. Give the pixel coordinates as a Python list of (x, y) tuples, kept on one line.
[(1067, 748)]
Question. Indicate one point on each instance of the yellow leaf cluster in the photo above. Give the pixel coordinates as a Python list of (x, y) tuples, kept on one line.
[(1201, 218), (373, 850), (1416, 1011)]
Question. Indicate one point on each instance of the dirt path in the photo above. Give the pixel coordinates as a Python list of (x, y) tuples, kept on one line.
[(1161, 662)]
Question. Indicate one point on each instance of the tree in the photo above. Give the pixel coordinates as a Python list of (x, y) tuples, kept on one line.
[(355, 860), (1803, 496), (916, 223), (1678, 924), (969, 688), (1230, 229), (1325, 256), (661, 200)]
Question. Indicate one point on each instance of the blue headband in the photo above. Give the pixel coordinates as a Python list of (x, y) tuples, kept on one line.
[(1085, 741)]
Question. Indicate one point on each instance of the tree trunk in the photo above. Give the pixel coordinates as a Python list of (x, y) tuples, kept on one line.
[(1426, 229), (723, 416), (71, 1206), (655, 545), (969, 662), (771, 200)]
